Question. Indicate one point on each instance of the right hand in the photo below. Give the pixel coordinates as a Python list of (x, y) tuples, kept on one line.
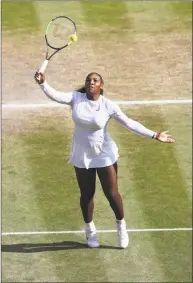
[(39, 78)]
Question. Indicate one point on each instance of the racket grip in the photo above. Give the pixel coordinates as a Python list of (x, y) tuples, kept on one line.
[(43, 66)]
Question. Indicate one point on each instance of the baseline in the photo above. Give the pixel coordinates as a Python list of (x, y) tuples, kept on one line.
[(120, 102), (98, 231)]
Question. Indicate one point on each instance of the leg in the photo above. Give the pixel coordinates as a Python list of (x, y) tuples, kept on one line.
[(108, 179), (86, 180)]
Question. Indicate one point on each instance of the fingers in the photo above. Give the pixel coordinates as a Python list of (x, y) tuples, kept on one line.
[(39, 77), (164, 133), (170, 140), (38, 73), (167, 140)]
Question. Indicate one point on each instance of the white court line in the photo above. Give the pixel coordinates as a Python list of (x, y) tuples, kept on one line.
[(134, 102), (98, 231)]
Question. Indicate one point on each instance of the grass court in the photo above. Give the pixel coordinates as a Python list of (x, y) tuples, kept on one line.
[(143, 51)]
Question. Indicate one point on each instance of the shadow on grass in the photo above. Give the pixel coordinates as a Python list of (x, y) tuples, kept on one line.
[(46, 247)]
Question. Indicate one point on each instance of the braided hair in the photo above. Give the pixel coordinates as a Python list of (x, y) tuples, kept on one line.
[(83, 89)]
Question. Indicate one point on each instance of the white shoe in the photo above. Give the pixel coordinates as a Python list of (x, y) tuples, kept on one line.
[(92, 239), (123, 238), (91, 235)]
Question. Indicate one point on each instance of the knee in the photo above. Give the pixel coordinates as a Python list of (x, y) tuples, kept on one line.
[(86, 199), (113, 196)]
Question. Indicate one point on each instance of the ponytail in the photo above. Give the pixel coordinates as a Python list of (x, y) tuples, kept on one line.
[(83, 90)]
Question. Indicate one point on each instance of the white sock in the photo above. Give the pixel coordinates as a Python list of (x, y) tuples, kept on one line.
[(90, 227), (121, 223)]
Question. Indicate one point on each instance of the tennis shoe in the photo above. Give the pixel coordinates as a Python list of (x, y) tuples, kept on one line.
[(123, 238), (92, 239)]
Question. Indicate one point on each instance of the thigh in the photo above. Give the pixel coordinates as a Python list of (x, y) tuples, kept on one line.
[(86, 179), (108, 178)]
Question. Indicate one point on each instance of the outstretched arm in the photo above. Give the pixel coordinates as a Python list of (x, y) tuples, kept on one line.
[(138, 128), (61, 97)]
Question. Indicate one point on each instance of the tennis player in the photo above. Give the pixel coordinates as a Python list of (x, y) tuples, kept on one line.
[(94, 151)]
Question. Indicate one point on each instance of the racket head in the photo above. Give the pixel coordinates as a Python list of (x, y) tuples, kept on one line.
[(58, 32)]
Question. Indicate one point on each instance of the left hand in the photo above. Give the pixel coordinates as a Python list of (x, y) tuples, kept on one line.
[(164, 137)]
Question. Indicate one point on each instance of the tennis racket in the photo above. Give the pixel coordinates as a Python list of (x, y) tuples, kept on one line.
[(60, 33)]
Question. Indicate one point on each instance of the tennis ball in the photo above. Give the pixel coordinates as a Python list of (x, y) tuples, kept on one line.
[(73, 37)]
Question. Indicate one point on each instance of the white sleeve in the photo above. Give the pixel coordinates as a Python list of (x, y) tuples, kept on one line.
[(58, 96), (130, 124)]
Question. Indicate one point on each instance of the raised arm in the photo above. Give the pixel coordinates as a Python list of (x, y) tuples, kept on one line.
[(58, 96), (138, 128)]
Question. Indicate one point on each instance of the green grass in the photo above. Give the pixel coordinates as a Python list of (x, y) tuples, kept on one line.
[(141, 16), (19, 17), (154, 17), (40, 193), (106, 15), (155, 170), (181, 8), (39, 189), (113, 17), (53, 259)]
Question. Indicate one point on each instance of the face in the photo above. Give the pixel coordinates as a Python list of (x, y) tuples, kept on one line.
[(93, 84)]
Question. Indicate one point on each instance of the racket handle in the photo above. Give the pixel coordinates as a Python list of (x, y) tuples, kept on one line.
[(43, 66)]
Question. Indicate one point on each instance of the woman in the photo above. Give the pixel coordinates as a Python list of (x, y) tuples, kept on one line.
[(93, 150)]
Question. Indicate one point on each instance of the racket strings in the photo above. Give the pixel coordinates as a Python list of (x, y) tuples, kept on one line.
[(59, 32)]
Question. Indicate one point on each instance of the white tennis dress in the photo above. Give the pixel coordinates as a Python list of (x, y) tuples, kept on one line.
[(92, 146)]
